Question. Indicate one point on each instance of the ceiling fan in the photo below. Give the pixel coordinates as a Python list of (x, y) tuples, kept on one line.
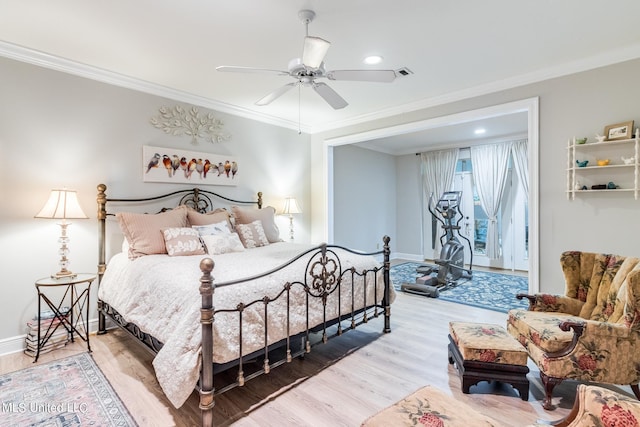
[(310, 67)]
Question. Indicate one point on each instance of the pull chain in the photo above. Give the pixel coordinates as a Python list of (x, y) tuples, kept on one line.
[(299, 109)]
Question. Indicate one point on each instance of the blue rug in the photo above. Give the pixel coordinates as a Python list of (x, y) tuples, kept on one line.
[(491, 291)]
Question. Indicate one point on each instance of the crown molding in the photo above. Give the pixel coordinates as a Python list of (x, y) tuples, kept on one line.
[(46, 60), (609, 58), (64, 65)]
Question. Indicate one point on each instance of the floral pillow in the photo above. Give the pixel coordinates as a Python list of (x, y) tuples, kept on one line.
[(252, 235), (217, 244), (182, 241)]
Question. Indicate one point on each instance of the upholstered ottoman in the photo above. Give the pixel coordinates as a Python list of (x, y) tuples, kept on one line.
[(484, 352)]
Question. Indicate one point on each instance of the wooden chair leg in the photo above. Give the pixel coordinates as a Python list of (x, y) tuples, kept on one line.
[(636, 390), (549, 384)]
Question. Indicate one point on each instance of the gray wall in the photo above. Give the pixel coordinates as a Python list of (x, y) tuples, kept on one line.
[(364, 183), (59, 130), (575, 105)]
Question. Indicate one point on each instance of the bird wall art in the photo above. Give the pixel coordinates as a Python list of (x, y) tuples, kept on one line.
[(181, 166)]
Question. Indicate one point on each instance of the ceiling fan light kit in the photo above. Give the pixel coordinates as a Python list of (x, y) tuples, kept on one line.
[(310, 66)]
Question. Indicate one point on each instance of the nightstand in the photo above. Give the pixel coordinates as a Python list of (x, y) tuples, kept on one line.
[(71, 311)]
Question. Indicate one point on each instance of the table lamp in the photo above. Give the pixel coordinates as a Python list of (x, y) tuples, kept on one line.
[(291, 207), (62, 204)]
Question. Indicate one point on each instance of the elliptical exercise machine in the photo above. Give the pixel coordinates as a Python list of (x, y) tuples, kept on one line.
[(450, 266)]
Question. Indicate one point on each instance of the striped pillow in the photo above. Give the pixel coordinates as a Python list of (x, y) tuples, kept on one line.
[(144, 231)]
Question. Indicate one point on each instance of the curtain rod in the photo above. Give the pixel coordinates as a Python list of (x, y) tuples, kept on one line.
[(459, 148)]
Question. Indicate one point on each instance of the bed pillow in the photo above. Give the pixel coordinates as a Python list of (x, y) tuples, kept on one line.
[(143, 231), (265, 215), (252, 235), (213, 217), (222, 243), (221, 227), (182, 241)]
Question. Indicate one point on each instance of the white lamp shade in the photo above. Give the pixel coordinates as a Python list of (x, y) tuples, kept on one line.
[(291, 206), (314, 51), (62, 204)]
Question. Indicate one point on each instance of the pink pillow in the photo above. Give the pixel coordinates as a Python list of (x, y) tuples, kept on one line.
[(266, 216), (218, 215), (144, 231), (182, 241), (252, 235)]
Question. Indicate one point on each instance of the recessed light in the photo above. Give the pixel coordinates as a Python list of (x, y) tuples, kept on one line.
[(479, 131), (373, 59)]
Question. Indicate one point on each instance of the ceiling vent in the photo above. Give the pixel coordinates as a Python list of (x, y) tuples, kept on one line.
[(403, 72)]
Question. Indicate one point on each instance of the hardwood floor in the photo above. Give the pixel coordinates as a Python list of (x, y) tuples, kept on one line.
[(340, 383)]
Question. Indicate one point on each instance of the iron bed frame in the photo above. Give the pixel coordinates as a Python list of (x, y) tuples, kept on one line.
[(323, 276)]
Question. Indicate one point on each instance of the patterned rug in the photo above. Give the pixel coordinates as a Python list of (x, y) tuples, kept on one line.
[(491, 291), (69, 392)]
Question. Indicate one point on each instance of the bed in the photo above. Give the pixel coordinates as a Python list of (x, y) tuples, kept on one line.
[(210, 308)]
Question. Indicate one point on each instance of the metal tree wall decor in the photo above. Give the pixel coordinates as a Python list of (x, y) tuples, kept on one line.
[(180, 121)]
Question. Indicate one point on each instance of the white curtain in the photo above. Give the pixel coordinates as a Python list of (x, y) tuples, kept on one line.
[(438, 169), (489, 174), (520, 156)]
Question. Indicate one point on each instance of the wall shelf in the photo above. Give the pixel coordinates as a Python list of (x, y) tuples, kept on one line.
[(623, 175)]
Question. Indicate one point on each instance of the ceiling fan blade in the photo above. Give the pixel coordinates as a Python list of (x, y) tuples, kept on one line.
[(382, 76), (233, 69), (314, 51), (329, 95), (275, 94)]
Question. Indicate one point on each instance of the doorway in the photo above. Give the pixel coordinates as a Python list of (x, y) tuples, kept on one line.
[(529, 106)]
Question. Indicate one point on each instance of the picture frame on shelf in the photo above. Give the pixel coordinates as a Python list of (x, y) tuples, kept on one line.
[(617, 131)]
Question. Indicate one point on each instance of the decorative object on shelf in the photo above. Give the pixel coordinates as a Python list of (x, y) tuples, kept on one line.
[(180, 121), (619, 131), (62, 204), (600, 138), (291, 207), (628, 161), (624, 174), (181, 166), (612, 186), (581, 140)]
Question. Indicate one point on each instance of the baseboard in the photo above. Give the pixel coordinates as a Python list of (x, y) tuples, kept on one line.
[(16, 344), (408, 257)]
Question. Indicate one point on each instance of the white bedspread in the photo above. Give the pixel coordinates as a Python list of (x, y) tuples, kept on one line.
[(160, 294)]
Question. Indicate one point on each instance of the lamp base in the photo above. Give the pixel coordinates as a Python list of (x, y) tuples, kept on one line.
[(64, 274)]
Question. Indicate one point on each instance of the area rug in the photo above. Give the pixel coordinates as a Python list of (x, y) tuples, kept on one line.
[(492, 291), (68, 392), (430, 407)]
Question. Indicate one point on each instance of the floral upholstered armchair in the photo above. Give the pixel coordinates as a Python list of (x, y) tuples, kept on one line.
[(592, 333), (598, 406)]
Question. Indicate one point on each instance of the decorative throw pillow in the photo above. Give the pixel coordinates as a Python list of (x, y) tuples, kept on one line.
[(218, 215), (182, 241), (265, 215), (252, 235), (222, 243), (143, 231), (211, 229)]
